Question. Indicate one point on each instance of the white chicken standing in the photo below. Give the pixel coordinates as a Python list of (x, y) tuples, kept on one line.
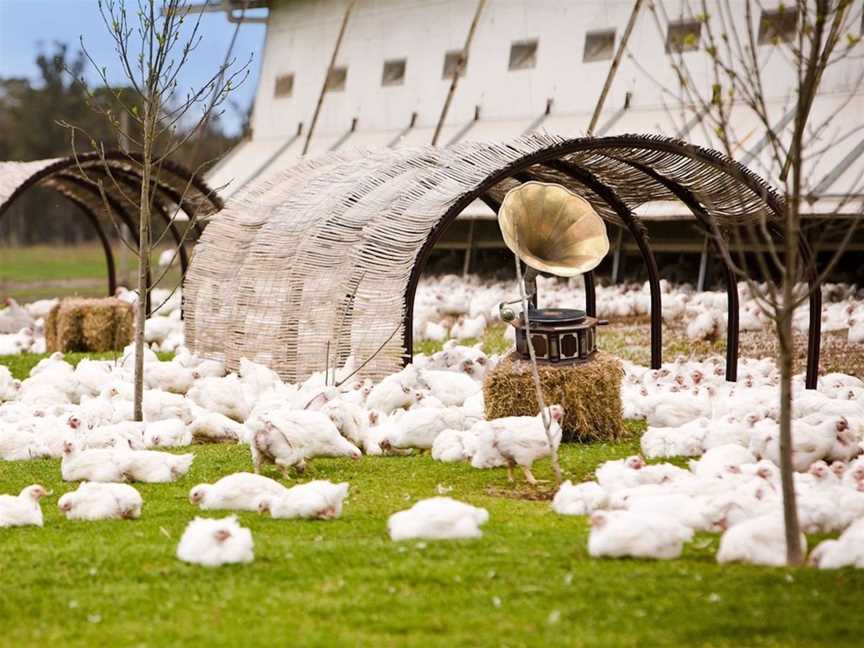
[(290, 437), (437, 518), (101, 501), (518, 440), (320, 500), (212, 543), (22, 509), (240, 492)]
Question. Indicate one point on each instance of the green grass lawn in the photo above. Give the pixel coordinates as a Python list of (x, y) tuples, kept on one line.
[(47, 271), (527, 582)]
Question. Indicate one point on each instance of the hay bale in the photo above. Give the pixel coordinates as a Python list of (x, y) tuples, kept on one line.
[(94, 325), (589, 392)]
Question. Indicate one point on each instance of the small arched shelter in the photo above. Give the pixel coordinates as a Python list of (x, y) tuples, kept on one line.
[(324, 258), (119, 175)]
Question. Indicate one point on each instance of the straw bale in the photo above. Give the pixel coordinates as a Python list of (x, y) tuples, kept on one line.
[(93, 325), (590, 393)]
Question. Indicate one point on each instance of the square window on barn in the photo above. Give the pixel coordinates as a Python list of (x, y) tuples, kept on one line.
[(599, 46), (336, 79), (451, 61), (394, 73), (284, 85), (683, 36), (778, 26), (523, 55)]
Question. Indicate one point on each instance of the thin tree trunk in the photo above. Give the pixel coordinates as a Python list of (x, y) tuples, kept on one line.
[(787, 472), (143, 261)]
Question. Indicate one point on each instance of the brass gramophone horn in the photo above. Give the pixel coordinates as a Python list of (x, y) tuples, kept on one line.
[(552, 229)]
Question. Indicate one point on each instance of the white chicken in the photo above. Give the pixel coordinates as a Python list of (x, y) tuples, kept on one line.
[(101, 501), (616, 534), (437, 518), (290, 437), (758, 541), (320, 499), (101, 465), (167, 433), (213, 427), (579, 499), (154, 467), (239, 491), (212, 543), (417, 428), (453, 446), (22, 509), (449, 387), (518, 440), (222, 395), (845, 551)]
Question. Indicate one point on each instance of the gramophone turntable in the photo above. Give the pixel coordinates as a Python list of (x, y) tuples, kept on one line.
[(553, 231)]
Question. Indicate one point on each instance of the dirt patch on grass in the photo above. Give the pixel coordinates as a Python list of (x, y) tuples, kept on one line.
[(541, 493)]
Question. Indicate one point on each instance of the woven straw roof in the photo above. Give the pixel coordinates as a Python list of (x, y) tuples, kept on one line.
[(329, 251)]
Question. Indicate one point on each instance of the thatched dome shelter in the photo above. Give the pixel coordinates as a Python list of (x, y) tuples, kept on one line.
[(328, 253)]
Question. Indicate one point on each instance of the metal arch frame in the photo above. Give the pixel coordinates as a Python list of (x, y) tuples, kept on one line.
[(732, 299), (64, 176), (113, 203), (740, 174)]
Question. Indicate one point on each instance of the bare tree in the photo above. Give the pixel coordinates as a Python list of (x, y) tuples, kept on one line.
[(770, 251), (154, 46)]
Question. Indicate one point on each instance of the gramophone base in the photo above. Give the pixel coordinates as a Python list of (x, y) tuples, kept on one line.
[(563, 341)]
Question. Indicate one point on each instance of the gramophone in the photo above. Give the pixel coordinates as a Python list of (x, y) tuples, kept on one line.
[(553, 231)]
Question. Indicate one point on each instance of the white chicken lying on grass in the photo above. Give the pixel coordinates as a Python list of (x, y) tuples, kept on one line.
[(98, 501), (118, 465), (319, 500), (758, 541), (212, 543), (437, 518), (616, 534), (22, 509), (845, 551), (238, 492)]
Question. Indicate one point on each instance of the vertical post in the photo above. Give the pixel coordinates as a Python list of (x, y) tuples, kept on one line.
[(613, 67), (467, 264), (457, 71), (342, 29), (616, 258), (703, 266)]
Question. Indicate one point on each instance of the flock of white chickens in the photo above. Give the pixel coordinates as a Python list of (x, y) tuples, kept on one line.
[(83, 416)]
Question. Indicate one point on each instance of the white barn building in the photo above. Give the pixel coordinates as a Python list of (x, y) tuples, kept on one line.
[(531, 65)]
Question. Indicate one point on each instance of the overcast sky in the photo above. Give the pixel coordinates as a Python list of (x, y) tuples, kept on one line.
[(28, 26)]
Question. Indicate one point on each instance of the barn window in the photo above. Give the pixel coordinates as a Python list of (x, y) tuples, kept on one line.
[(451, 61), (523, 55), (599, 46), (336, 79), (778, 26), (683, 36), (284, 86), (394, 73)]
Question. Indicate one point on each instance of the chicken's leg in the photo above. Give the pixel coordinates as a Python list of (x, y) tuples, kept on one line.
[(528, 476)]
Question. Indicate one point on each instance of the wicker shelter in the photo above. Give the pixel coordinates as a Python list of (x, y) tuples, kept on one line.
[(325, 257), (79, 180)]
